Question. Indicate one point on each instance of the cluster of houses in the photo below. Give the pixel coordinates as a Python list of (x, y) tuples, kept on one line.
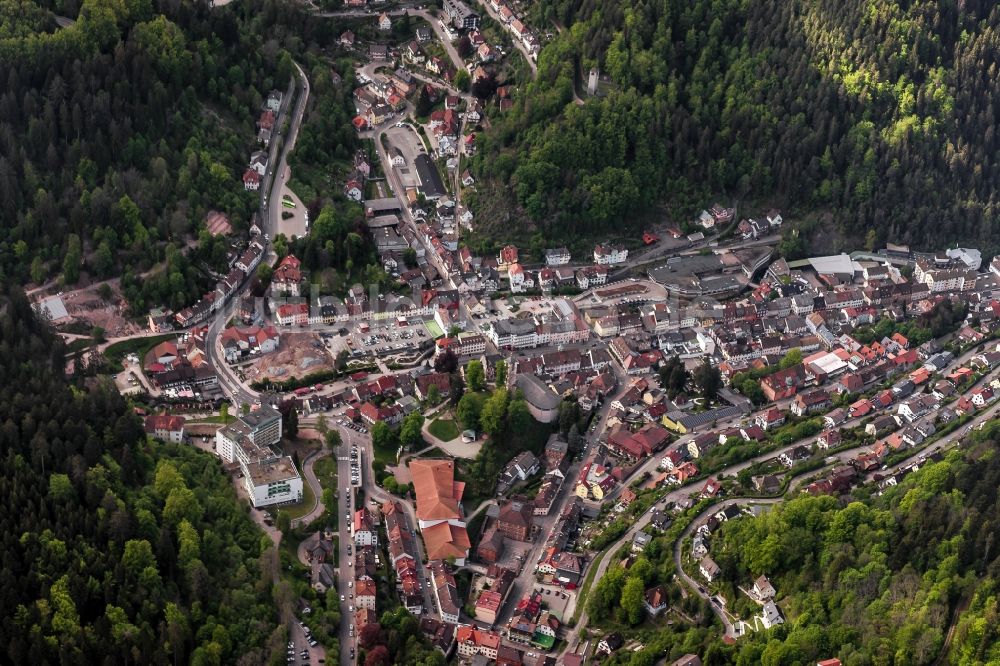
[(403, 557), (363, 589), (354, 186), (515, 24), (720, 215), (749, 228), (532, 624), (382, 97), (762, 591), (555, 274), (180, 366), (240, 343), (241, 265), (257, 166)]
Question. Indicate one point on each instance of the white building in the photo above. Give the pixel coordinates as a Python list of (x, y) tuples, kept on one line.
[(513, 334), (557, 257), (272, 481), (609, 255), (268, 477), (166, 427), (364, 529), (771, 615)]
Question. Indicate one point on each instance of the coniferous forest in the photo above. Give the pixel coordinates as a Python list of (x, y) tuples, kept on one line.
[(115, 549), (122, 128), (874, 115)]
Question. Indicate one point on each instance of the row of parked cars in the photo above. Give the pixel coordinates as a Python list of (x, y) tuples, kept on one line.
[(353, 426), (355, 467)]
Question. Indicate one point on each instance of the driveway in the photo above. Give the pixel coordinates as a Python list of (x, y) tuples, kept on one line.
[(309, 476)]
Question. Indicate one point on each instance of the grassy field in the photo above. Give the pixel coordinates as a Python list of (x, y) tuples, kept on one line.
[(217, 418), (305, 506), (119, 350), (443, 429), (326, 474)]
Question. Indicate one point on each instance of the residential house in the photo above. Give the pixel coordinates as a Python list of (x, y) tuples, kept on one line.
[(608, 255), (771, 615), (708, 568), (165, 427), (762, 589)]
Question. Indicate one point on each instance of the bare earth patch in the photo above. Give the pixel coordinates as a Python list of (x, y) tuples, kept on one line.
[(298, 355)]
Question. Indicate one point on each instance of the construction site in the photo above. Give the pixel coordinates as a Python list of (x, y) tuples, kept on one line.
[(298, 354)]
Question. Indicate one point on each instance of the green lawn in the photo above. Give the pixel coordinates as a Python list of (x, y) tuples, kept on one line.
[(443, 429), (305, 506), (433, 329), (215, 418), (326, 474), (119, 350)]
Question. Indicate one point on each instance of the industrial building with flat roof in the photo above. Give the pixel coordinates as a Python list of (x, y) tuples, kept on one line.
[(431, 184)]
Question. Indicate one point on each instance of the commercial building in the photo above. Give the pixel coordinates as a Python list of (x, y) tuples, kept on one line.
[(269, 477), (431, 184), (439, 509), (543, 403)]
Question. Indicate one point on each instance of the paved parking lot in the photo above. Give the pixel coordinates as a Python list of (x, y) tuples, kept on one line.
[(409, 143), (389, 336), (297, 225)]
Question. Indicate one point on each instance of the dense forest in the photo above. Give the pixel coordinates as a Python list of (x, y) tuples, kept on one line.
[(880, 114), (870, 579), (119, 132), (116, 549)]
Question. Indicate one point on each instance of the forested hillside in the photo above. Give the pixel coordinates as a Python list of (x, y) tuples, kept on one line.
[(115, 549), (881, 113), (119, 132), (870, 579)]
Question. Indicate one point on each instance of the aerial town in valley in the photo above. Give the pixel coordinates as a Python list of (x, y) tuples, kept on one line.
[(482, 445)]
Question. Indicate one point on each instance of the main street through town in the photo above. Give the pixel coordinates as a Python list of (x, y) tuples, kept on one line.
[(240, 393)]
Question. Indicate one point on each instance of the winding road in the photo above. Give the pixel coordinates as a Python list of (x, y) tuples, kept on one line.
[(917, 453), (309, 475)]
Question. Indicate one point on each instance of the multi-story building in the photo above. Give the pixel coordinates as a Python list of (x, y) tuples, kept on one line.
[(557, 257), (472, 641), (364, 528), (365, 593), (287, 276), (445, 591), (609, 255), (268, 477), (461, 16), (166, 427), (439, 509), (516, 521), (513, 334)]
